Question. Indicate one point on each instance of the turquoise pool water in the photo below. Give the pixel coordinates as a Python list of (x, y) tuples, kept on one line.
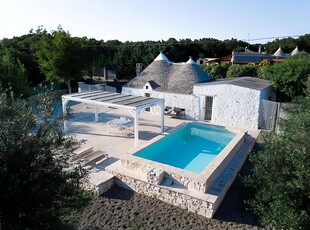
[(191, 147)]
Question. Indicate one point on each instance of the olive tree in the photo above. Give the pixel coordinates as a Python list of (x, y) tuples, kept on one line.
[(36, 176)]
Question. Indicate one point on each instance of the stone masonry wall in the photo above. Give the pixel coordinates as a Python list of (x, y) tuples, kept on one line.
[(178, 178), (186, 202)]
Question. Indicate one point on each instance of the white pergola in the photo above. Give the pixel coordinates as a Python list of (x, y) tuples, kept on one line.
[(134, 104)]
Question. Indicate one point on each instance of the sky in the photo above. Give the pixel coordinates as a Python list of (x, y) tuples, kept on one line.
[(141, 20)]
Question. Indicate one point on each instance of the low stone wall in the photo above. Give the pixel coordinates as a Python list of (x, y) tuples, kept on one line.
[(177, 175), (83, 87), (198, 206)]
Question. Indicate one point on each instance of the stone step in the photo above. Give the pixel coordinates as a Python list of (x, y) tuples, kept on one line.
[(101, 182), (93, 157), (83, 151)]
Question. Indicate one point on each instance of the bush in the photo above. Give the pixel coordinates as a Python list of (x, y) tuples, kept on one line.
[(281, 172), (290, 76), (242, 70)]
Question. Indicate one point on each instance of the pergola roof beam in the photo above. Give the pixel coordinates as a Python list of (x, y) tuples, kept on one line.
[(137, 104), (86, 93), (134, 100), (93, 95)]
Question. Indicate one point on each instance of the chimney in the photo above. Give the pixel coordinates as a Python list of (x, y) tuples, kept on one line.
[(138, 69), (260, 49)]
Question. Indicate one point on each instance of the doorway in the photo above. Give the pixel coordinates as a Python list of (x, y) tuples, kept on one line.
[(208, 108)]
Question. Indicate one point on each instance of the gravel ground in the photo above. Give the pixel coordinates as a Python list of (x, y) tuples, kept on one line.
[(122, 209)]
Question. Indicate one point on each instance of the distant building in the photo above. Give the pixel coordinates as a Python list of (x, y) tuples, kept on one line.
[(249, 56), (103, 73)]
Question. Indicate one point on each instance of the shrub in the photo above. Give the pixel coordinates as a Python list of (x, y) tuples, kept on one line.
[(242, 70), (281, 172)]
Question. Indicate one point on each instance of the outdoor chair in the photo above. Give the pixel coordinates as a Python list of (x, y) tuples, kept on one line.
[(122, 124), (168, 110)]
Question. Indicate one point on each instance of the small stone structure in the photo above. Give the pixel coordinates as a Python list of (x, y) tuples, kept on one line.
[(155, 176), (100, 182)]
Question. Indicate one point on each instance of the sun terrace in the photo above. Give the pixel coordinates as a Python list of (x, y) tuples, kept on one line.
[(200, 192)]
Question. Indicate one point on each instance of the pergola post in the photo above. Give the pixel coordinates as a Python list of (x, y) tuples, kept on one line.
[(64, 109), (162, 116), (96, 113), (136, 117), (135, 113)]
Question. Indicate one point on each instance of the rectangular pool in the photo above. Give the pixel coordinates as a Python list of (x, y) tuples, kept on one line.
[(191, 147)]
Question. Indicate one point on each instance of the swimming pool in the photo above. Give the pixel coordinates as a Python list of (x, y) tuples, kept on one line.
[(191, 147)]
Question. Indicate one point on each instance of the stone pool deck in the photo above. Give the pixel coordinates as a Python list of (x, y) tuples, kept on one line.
[(113, 171)]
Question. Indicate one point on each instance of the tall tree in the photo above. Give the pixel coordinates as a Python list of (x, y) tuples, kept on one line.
[(12, 72), (61, 57)]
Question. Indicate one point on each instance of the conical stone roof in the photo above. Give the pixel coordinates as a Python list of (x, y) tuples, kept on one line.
[(191, 61), (279, 53), (170, 77), (295, 51)]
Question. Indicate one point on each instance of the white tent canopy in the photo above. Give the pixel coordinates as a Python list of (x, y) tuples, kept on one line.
[(134, 104)]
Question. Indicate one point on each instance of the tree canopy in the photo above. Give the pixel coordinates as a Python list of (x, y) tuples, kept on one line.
[(60, 57)]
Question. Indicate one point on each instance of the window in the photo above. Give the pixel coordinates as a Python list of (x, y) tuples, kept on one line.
[(146, 87)]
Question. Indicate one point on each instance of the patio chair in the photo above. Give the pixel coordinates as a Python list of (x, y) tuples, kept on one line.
[(168, 110), (122, 124)]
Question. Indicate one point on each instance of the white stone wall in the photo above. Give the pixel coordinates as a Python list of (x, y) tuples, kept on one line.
[(233, 105), (82, 87), (188, 102)]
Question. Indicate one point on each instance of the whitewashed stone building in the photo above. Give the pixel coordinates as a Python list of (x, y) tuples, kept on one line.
[(233, 102)]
